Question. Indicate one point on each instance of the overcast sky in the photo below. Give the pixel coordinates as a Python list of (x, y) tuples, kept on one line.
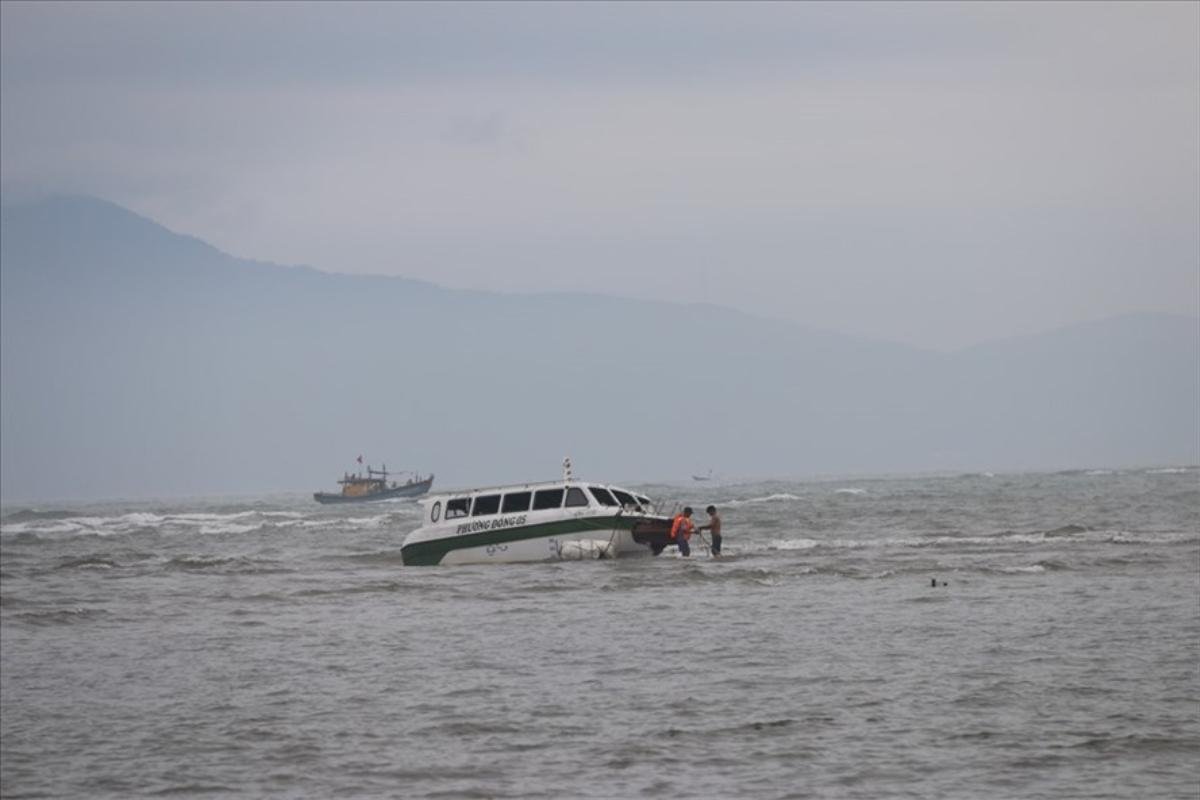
[(935, 174)]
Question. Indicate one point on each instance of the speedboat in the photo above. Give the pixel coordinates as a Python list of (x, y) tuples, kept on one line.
[(555, 520)]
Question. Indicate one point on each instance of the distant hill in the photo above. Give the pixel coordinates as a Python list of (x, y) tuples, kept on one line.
[(137, 362)]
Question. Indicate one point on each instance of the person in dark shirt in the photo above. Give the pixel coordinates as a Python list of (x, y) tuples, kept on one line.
[(714, 525)]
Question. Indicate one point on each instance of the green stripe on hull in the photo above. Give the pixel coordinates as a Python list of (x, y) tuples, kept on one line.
[(428, 553)]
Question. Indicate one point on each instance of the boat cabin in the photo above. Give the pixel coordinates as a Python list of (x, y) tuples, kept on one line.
[(359, 485), (531, 497)]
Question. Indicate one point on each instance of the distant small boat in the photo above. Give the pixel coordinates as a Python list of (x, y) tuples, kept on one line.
[(707, 477), (374, 486)]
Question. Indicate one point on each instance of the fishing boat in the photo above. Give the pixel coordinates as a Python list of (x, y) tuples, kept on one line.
[(359, 488), (555, 520), (707, 477)]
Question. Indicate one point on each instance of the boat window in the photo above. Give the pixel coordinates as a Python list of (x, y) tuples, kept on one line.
[(436, 512), (624, 498), (602, 496), (645, 501), (486, 504), (547, 498), (458, 507), (516, 501), (576, 497)]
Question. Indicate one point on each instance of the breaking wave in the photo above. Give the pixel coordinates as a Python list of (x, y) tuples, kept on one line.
[(226, 564), (770, 498), (1080, 535), (34, 515), (57, 524)]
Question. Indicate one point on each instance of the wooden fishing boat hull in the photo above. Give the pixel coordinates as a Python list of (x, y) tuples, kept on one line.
[(395, 493)]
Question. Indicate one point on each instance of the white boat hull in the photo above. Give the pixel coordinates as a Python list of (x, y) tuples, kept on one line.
[(581, 546)]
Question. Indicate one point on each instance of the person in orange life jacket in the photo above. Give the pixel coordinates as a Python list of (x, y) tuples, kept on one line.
[(681, 530)]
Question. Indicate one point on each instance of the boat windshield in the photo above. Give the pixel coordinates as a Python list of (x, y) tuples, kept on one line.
[(625, 498), (602, 496), (576, 497)]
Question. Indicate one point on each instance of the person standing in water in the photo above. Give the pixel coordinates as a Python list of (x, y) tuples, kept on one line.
[(681, 530), (714, 525)]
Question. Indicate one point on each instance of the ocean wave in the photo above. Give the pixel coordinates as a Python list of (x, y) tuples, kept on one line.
[(851, 490), (61, 616), (88, 562), (899, 541), (793, 544), (366, 522), (225, 564), (770, 498), (34, 515), (1170, 471), (1138, 743), (1068, 530), (57, 527), (220, 529), (1123, 537), (1083, 535), (384, 557), (373, 587), (1030, 569), (62, 525)]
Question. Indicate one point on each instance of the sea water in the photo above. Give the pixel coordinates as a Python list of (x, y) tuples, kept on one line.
[(273, 647)]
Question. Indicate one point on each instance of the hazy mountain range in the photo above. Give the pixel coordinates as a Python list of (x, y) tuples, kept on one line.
[(138, 362)]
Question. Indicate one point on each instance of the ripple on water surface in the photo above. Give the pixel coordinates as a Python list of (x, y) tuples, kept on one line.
[(274, 647)]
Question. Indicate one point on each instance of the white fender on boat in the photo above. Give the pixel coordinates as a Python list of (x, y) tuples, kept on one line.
[(585, 549)]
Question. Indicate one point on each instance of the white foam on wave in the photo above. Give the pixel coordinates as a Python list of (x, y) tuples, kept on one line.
[(793, 544), (365, 522), (770, 498), (1125, 537), (60, 527), (1116, 537), (1031, 569), (195, 516), (139, 518), (52, 528), (185, 523), (209, 530), (1169, 471), (999, 540), (850, 490), (191, 524)]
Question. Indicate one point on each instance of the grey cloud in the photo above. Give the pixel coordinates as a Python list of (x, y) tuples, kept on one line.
[(936, 173)]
